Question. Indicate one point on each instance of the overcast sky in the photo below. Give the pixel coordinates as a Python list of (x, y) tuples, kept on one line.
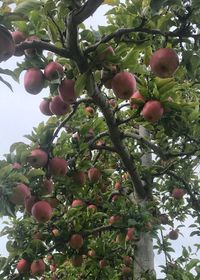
[(19, 113)]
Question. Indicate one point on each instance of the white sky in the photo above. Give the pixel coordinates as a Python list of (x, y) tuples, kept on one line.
[(19, 113)]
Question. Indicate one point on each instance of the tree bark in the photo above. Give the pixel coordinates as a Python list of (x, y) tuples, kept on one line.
[(144, 255)]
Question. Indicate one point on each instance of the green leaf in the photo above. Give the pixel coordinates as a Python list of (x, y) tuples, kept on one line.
[(27, 6), (80, 84), (6, 83)]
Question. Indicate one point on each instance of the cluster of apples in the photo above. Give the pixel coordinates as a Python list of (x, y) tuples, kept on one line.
[(163, 63), (34, 79), (37, 267)]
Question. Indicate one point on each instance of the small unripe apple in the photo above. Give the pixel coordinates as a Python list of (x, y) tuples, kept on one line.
[(38, 267), (7, 45), (79, 178), (77, 261), (31, 52), (58, 107), (129, 234), (23, 266), (127, 260), (44, 107), (173, 234), (92, 208), (103, 263), (29, 202), (114, 219), (124, 85), (53, 71), (152, 111), (94, 174), (38, 158), (178, 193), (42, 211), (47, 187), (33, 81), (76, 241), (67, 91), (18, 38), (136, 96), (164, 62), (20, 192), (77, 202), (58, 166)]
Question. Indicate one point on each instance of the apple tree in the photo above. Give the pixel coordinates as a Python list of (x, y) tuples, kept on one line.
[(110, 178)]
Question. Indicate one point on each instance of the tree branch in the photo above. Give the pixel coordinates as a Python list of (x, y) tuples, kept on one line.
[(41, 45), (124, 31), (115, 135), (86, 11)]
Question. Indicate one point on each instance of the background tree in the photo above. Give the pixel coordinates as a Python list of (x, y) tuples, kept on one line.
[(116, 162)]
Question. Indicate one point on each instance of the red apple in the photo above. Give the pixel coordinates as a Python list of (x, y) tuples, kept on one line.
[(103, 263), (115, 197), (107, 75), (105, 54), (16, 165), (76, 241), (127, 260), (20, 192), (52, 267), (18, 38), (129, 234), (33, 81), (124, 85), (94, 174), (53, 71), (178, 193), (31, 52), (58, 166), (23, 266), (38, 158), (79, 178), (47, 187), (58, 107), (136, 96), (77, 261), (7, 44), (67, 91), (118, 186), (164, 62), (173, 234), (42, 211), (29, 202), (44, 107), (89, 110), (38, 267), (114, 219), (112, 102), (152, 111), (92, 207), (77, 202)]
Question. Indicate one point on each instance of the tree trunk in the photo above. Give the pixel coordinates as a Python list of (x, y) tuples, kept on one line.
[(144, 255)]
